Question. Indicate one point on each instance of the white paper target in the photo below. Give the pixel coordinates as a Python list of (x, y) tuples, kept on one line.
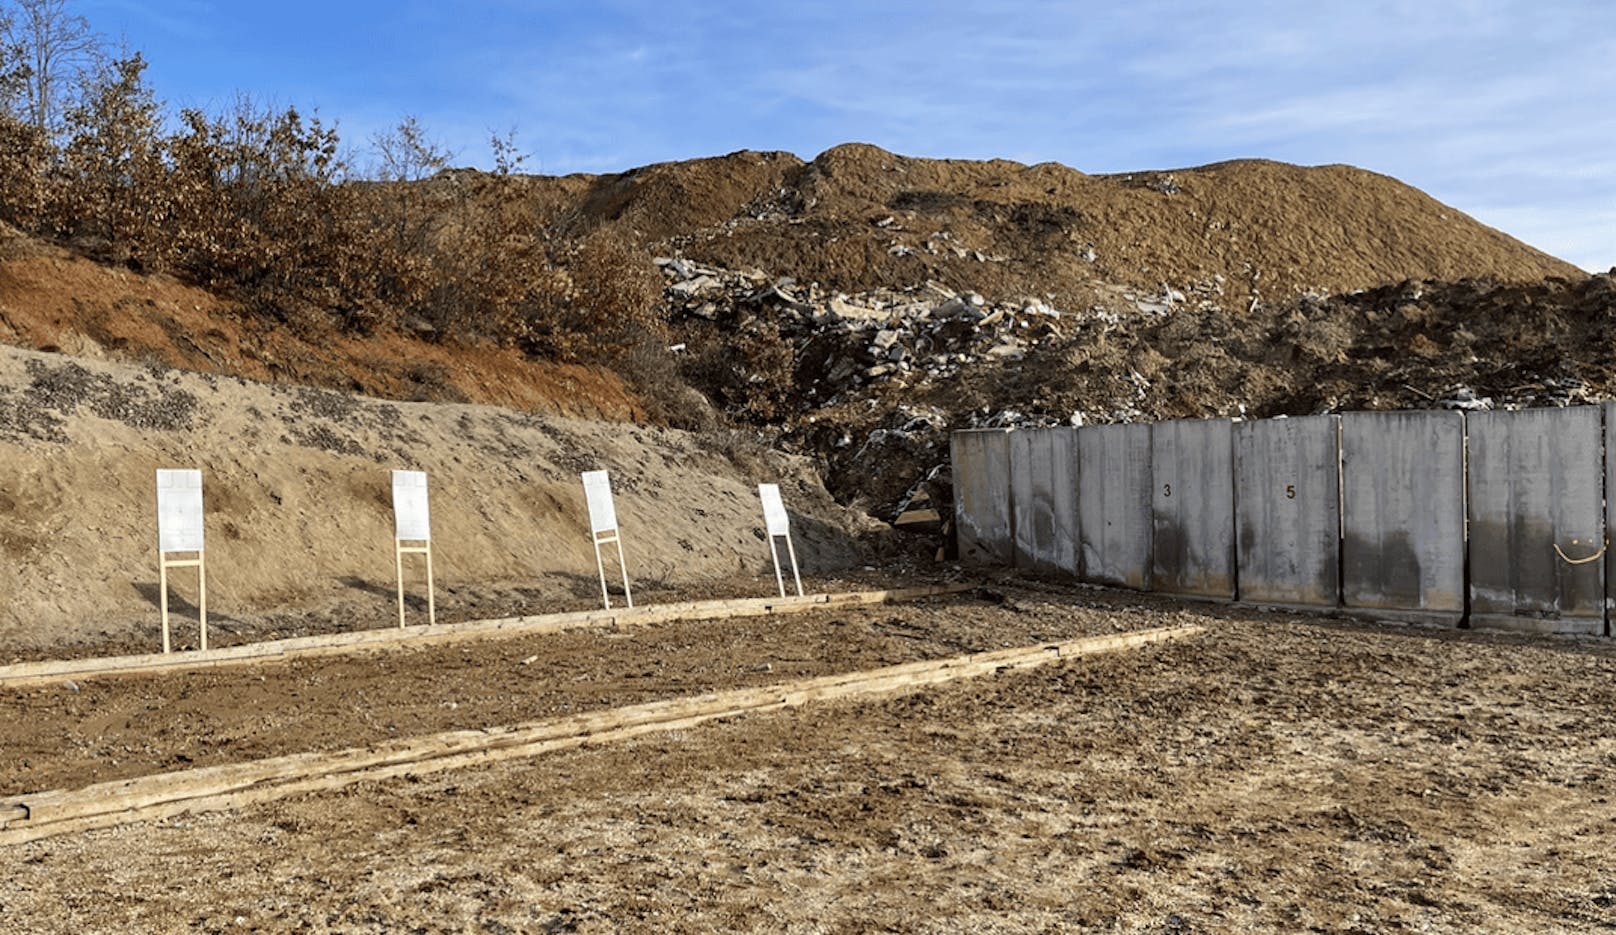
[(179, 511), (774, 511), (411, 516), (598, 491)]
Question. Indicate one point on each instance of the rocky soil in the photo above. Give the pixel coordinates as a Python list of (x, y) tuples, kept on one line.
[(1277, 774)]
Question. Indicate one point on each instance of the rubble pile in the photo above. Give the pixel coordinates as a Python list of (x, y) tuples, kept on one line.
[(926, 332), (873, 382)]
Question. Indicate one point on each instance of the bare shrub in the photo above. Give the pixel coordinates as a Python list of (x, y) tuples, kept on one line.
[(602, 304)]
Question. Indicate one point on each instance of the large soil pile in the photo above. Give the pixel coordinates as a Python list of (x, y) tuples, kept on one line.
[(858, 307), (858, 217)]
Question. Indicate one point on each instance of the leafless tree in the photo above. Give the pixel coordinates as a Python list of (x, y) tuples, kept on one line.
[(57, 47), (407, 154), (508, 157)]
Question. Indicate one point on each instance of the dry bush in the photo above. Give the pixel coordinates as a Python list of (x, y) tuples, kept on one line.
[(255, 202), (600, 304), (749, 375), (652, 372)]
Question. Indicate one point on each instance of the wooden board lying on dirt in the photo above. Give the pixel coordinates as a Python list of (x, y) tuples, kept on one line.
[(29, 817), (34, 673)]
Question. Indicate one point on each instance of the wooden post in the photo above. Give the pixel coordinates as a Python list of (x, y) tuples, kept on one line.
[(398, 564), (795, 576), (162, 599)]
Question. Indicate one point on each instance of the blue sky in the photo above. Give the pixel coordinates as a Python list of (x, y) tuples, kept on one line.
[(1503, 109)]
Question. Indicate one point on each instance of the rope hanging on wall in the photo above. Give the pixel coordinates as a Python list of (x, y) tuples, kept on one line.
[(1580, 561)]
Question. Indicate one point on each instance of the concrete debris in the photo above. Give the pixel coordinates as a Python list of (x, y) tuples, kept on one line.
[(1465, 398), (927, 332)]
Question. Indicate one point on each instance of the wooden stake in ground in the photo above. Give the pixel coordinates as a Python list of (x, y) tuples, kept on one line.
[(412, 534), (26, 674), (778, 523), (603, 530), (179, 530)]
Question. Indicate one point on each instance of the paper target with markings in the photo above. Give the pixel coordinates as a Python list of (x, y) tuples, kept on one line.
[(412, 519), (179, 511)]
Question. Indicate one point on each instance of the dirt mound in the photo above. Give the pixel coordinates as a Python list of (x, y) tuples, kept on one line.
[(296, 487), (52, 299), (858, 218), (858, 307)]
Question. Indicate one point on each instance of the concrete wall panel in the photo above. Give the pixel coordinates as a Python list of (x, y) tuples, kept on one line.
[(1113, 505), (1043, 492), (1536, 482), (981, 465), (1192, 500), (1287, 507), (1403, 537), (1610, 513)]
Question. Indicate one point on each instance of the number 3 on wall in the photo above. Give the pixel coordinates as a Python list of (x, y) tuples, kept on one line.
[(1290, 491), (1167, 490)]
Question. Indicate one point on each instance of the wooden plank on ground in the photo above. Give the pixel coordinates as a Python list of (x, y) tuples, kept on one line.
[(213, 788), (24, 674)]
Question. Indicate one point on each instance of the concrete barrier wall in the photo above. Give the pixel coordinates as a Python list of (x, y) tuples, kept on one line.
[(1287, 503), (1043, 499), (1113, 505), (1536, 482), (981, 460), (1496, 518), (1192, 508), (1610, 515), (1403, 513)]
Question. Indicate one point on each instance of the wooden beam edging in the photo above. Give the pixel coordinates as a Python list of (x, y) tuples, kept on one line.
[(216, 788), (26, 674)]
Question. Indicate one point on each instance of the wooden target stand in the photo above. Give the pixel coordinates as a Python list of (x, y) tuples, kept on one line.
[(412, 535), (417, 547), (199, 562), (180, 532), (603, 530)]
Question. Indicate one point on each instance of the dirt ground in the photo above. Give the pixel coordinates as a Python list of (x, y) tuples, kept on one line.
[(1277, 774)]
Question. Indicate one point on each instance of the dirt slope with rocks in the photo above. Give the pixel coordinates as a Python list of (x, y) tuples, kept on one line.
[(298, 500), (858, 307)]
